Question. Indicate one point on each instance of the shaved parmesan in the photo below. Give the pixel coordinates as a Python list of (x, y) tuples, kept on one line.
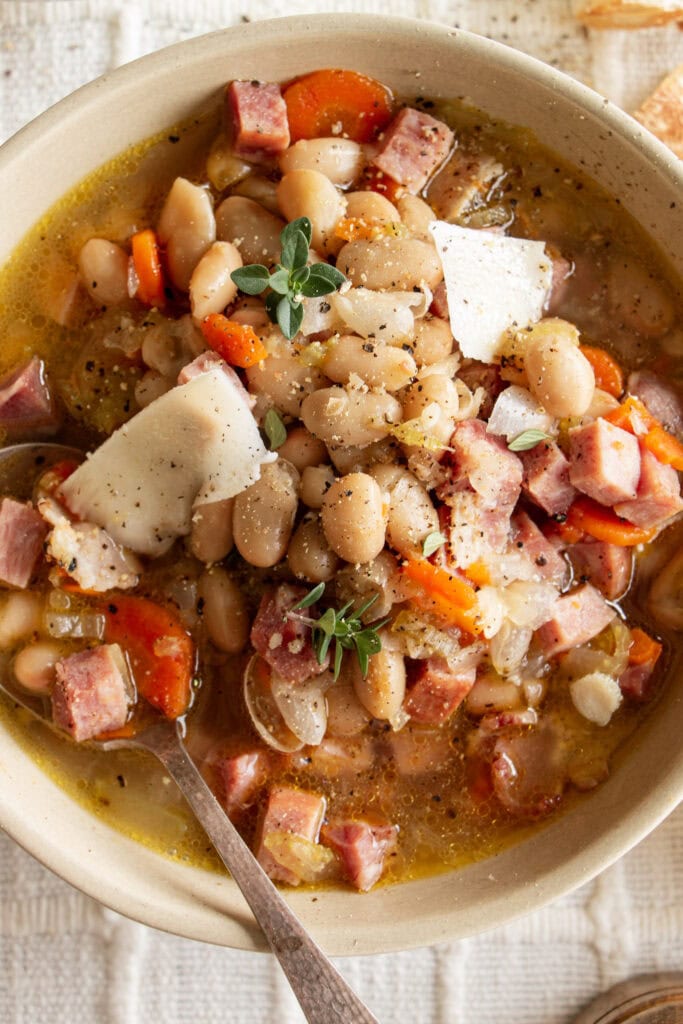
[(196, 444), (493, 283), (596, 696)]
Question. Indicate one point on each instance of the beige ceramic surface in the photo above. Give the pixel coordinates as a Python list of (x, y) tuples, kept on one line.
[(96, 123)]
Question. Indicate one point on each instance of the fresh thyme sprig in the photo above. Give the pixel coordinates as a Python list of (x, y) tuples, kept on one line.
[(292, 280), (348, 631)]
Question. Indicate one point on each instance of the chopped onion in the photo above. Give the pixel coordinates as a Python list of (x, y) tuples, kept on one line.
[(515, 411), (264, 713), (309, 861), (85, 626), (386, 316), (508, 647), (529, 604)]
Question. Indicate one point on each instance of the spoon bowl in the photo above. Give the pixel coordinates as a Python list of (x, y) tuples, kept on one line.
[(324, 996)]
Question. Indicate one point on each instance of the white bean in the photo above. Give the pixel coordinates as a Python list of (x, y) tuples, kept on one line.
[(222, 166), (559, 375), (152, 385), (264, 514), (417, 215), (254, 231), (354, 517), (103, 267), (211, 534), (187, 227), (20, 615), (310, 194), (34, 666), (346, 716), (302, 449), (285, 380), (340, 160), (354, 459), (382, 691), (315, 482), (390, 264), (340, 416), (371, 207), (378, 579), (412, 515), (376, 363), (211, 287), (433, 340), (434, 390), (310, 557), (260, 189), (251, 311), (224, 611), (492, 693)]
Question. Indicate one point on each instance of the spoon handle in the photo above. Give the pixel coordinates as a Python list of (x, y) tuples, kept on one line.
[(324, 996)]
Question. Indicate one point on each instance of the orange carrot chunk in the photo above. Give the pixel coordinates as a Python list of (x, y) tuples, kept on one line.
[(608, 374), (602, 523), (160, 652), (237, 343), (448, 596), (148, 270), (643, 649), (335, 102), (633, 416), (374, 180)]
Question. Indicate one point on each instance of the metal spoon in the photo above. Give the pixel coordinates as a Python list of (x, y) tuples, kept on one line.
[(324, 996)]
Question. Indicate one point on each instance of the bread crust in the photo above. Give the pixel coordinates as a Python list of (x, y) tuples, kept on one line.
[(662, 111), (627, 13)]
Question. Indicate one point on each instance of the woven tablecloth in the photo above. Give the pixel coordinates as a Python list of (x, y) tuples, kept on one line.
[(66, 960)]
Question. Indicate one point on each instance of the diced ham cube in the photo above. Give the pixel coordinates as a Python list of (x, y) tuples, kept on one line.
[(293, 811), (416, 750), (577, 617), (285, 643), (484, 461), (529, 771), (546, 478), (343, 757), (562, 272), (604, 462), (362, 848), (240, 777), (91, 694), (658, 496), (26, 405), (608, 567), (547, 560), (463, 183), (22, 535), (412, 148), (660, 399), (439, 306), (482, 375), (259, 119), (435, 691), (637, 682), (474, 531)]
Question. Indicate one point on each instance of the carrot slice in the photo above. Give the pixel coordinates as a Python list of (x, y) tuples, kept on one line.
[(608, 373), (147, 265), (450, 597), (604, 524), (478, 573), (644, 649), (237, 343), (160, 652), (633, 416), (335, 102), (374, 180)]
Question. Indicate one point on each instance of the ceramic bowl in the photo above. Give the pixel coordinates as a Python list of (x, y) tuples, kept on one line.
[(107, 116)]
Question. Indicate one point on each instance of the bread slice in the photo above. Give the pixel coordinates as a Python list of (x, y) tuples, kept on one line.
[(627, 13), (662, 111)]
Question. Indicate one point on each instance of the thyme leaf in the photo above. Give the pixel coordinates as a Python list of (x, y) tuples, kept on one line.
[(343, 626)]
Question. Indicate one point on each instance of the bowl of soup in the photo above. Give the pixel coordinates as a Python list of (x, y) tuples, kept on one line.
[(371, 332)]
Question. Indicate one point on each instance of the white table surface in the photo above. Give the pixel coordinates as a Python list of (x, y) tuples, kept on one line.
[(66, 960)]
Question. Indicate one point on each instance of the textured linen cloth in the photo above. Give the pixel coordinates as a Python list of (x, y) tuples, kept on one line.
[(66, 960)]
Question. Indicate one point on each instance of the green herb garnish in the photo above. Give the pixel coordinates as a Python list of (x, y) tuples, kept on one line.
[(527, 440), (292, 280), (274, 428), (348, 631), (432, 543)]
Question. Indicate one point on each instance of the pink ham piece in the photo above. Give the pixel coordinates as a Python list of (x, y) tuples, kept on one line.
[(662, 400), (240, 778), (528, 771), (285, 643), (435, 691), (608, 567), (259, 118), (546, 478), (439, 306), (577, 617), (288, 810), (417, 750), (22, 535), (658, 496), (604, 462), (362, 848), (413, 147), (26, 405), (636, 682), (91, 694), (484, 461), (559, 288), (527, 538)]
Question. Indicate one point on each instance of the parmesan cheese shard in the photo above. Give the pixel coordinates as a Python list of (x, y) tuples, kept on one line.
[(493, 283), (662, 111), (627, 13), (196, 444)]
